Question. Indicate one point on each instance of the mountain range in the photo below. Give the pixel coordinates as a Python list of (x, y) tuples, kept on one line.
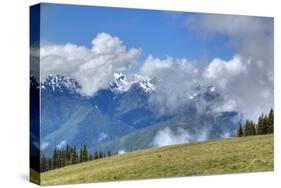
[(121, 117)]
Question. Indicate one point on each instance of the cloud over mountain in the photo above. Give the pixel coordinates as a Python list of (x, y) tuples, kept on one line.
[(167, 137), (92, 68), (245, 81), (175, 81)]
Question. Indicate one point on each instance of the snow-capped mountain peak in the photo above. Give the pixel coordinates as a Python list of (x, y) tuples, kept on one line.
[(119, 76), (122, 83), (146, 85), (60, 83)]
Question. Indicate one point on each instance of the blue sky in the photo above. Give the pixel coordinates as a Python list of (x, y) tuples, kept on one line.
[(159, 33)]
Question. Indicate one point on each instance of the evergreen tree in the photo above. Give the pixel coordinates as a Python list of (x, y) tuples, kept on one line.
[(246, 128), (81, 155), (263, 125), (253, 128), (260, 125), (43, 163), (109, 154), (55, 158), (266, 126), (75, 156), (249, 128), (68, 155), (96, 155), (50, 164), (100, 154), (84, 153), (240, 131), (271, 121)]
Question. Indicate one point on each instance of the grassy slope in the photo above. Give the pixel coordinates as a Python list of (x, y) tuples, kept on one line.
[(247, 154), (34, 176)]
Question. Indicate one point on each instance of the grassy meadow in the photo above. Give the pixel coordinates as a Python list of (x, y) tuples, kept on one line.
[(233, 155)]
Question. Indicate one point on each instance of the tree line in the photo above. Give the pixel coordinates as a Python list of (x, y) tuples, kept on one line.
[(68, 156), (265, 125)]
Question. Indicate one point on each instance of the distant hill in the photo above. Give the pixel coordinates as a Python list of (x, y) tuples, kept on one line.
[(234, 155), (188, 126)]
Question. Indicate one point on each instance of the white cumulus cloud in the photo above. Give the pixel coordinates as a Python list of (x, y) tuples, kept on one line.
[(245, 81), (92, 68), (174, 81)]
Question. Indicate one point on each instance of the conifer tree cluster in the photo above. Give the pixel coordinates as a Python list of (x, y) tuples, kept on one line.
[(68, 156), (265, 125)]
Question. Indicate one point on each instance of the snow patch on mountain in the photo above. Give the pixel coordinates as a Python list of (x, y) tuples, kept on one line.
[(122, 83), (201, 91), (60, 83)]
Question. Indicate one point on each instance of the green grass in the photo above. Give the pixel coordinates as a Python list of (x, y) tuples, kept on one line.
[(235, 155)]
